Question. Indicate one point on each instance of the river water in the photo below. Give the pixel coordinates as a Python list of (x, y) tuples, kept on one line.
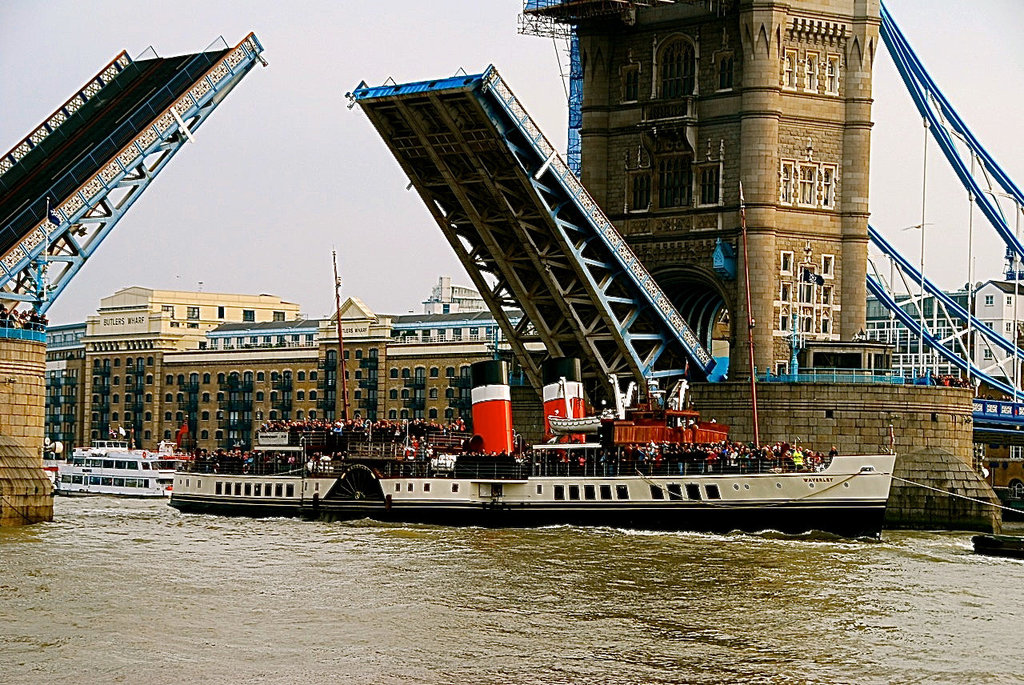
[(133, 591)]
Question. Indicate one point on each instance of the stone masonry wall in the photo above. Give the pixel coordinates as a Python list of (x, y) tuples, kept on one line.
[(25, 492)]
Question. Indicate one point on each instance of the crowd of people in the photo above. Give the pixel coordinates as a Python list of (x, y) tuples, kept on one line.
[(953, 382), (684, 459), (29, 321), (365, 429)]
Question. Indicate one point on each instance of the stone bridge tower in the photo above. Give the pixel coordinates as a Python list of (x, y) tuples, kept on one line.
[(684, 101)]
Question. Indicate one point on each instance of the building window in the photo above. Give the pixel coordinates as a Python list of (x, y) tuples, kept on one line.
[(808, 184), (193, 312), (786, 262), (675, 178), (827, 263), (641, 192), (789, 70), (990, 300), (826, 295), (811, 73), (393, 373), (677, 69), (260, 376), (710, 185), (725, 72), (631, 83), (806, 293), (1009, 300), (832, 74), (988, 353), (785, 292), (392, 414), (786, 184), (278, 316), (828, 186), (393, 394), (249, 315), (784, 320)]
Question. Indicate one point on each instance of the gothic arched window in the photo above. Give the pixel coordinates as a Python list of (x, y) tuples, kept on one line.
[(678, 69)]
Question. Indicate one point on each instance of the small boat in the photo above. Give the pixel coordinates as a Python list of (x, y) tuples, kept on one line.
[(111, 467), (999, 545), (585, 425)]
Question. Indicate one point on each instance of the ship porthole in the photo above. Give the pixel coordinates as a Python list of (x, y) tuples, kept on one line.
[(846, 485), (778, 485), (735, 486), (746, 486), (811, 484)]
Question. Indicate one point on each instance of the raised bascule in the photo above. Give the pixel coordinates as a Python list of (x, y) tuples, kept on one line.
[(63, 188), (674, 105)]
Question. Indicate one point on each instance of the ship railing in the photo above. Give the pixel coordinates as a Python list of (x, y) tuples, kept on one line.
[(616, 467)]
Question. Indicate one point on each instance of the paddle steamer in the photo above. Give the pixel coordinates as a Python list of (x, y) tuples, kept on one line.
[(645, 467)]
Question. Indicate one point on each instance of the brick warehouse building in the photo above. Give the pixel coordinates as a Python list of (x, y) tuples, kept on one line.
[(151, 362)]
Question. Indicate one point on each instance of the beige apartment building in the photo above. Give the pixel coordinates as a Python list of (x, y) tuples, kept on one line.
[(207, 369)]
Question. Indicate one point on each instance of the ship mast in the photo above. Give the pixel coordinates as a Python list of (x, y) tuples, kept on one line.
[(342, 373), (750, 320)]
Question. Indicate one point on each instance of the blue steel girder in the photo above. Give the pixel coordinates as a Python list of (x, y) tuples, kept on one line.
[(497, 189), (38, 268), (980, 174), (544, 266), (914, 324)]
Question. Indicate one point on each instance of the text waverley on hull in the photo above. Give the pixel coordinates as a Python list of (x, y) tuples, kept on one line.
[(647, 467)]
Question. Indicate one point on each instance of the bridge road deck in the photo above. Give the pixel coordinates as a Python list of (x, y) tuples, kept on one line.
[(84, 142)]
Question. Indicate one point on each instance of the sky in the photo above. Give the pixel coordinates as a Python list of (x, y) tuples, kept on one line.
[(283, 172)]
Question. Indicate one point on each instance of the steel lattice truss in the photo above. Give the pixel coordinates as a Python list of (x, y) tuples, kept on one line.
[(997, 197), (528, 233), (76, 220), (954, 345)]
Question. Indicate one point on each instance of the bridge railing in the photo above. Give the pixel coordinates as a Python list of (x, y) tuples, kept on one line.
[(22, 334), (867, 376), (999, 409)]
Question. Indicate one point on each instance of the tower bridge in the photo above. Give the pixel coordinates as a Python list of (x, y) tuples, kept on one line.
[(681, 115), (63, 188)]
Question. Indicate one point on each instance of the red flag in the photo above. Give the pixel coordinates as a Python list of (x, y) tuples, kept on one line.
[(183, 431)]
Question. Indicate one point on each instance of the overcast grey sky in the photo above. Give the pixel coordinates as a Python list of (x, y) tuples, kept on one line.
[(282, 171)]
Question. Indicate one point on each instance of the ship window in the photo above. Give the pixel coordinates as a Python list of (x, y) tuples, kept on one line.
[(621, 492), (76, 479), (426, 487), (409, 487), (657, 492), (238, 488), (574, 492), (540, 489), (266, 490), (455, 487), (108, 463), (218, 488), (674, 491), (248, 489), (559, 492), (119, 482), (713, 492), (606, 492), (143, 482), (257, 489), (398, 487), (278, 490), (693, 491), (290, 490), (130, 483), (589, 492)]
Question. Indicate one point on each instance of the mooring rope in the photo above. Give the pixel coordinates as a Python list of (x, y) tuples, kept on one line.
[(15, 508), (953, 494)]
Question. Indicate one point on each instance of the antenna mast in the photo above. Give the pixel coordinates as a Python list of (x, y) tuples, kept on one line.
[(342, 372)]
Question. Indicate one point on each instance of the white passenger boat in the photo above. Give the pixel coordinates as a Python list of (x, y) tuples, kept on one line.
[(111, 467)]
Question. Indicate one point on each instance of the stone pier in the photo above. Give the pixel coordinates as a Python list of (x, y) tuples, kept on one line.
[(26, 495), (931, 426)]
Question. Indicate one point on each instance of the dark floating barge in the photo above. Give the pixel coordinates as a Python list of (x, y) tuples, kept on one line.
[(999, 545)]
